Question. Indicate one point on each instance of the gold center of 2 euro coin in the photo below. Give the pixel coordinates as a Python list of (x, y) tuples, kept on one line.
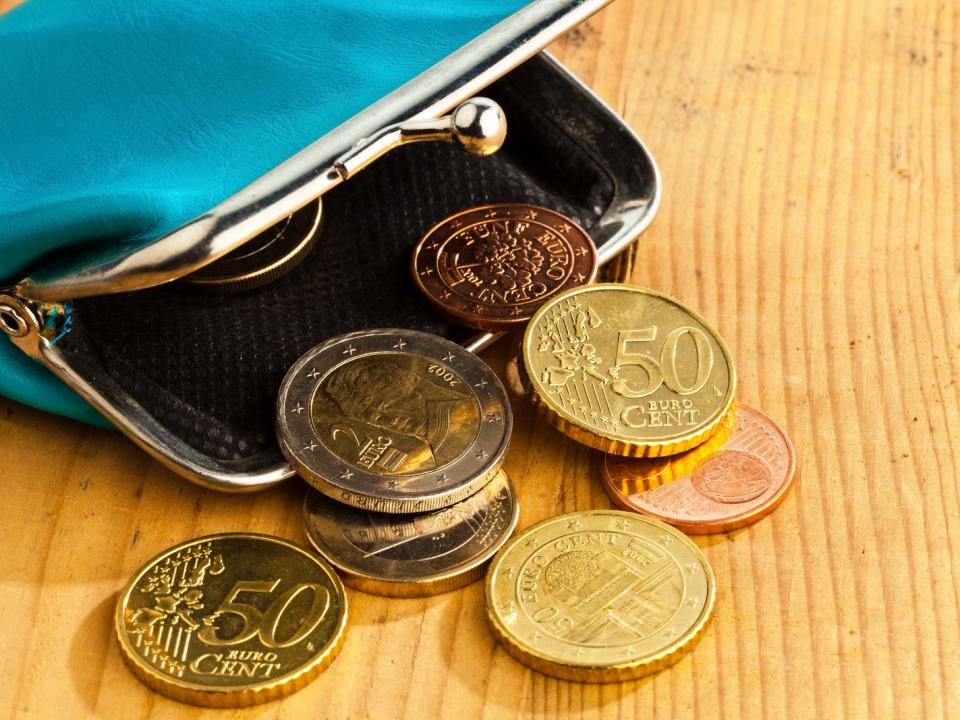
[(231, 620), (599, 596), (627, 370)]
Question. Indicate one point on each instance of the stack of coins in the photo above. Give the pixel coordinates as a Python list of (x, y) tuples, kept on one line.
[(402, 435)]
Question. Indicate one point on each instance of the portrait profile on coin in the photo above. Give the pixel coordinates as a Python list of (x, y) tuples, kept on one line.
[(394, 414)]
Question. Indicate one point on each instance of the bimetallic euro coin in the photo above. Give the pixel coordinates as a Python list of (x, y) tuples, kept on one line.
[(627, 370), (491, 267), (265, 257), (733, 479), (395, 421), (231, 620), (415, 554), (599, 596)]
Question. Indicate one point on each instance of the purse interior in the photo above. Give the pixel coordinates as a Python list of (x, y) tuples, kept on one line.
[(209, 368)]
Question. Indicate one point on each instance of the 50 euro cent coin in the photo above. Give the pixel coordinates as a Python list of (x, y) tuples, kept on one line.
[(627, 370), (231, 620)]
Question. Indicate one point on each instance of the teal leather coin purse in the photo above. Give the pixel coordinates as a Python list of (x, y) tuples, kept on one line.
[(140, 143)]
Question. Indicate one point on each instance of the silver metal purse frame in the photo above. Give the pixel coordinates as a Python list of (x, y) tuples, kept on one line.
[(597, 130)]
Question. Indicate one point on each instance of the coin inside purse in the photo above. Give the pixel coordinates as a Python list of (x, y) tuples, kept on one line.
[(206, 369)]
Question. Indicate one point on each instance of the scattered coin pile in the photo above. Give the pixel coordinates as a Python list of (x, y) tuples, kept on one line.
[(402, 436)]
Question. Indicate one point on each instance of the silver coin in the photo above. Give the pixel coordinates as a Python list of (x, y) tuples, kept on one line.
[(414, 554), (394, 421)]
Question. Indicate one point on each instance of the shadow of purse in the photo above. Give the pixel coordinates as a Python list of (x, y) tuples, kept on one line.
[(139, 144)]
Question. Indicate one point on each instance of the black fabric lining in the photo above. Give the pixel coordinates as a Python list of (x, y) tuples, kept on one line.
[(209, 368)]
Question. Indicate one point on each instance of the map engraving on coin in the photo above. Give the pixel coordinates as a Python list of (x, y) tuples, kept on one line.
[(491, 267), (393, 420), (415, 554), (599, 596), (627, 370), (739, 475), (231, 620)]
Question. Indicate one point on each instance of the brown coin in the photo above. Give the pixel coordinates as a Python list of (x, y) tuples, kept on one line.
[(735, 478), (491, 267)]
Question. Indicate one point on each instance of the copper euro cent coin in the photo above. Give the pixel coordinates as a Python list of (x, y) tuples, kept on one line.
[(627, 370), (491, 267), (265, 257), (396, 421), (739, 475), (415, 554), (231, 620)]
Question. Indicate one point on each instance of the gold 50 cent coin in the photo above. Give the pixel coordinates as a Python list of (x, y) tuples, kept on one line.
[(414, 555), (491, 267), (599, 596), (231, 620), (627, 370), (733, 479), (393, 421), (265, 257)]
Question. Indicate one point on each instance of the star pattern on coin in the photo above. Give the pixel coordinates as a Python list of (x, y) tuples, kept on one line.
[(433, 245), (623, 525), (531, 542), (392, 484), (478, 308), (455, 224), (665, 540), (491, 213), (444, 295), (399, 344), (298, 408), (531, 214), (580, 277), (574, 525), (481, 384), (565, 227), (581, 251), (536, 635), (448, 358), (350, 350), (493, 417), (438, 537), (428, 271), (579, 652), (508, 608), (516, 312), (692, 601), (628, 650), (672, 632), (313, 374), (346, 475), (311, 446), (480, 454), (508, 573), (691, 568), (442, 480)]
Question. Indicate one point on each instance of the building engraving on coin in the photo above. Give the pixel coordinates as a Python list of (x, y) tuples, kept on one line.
[(599, 595), (395, 414), (627, 370), (736, 477), (491, 266), (242, 616)]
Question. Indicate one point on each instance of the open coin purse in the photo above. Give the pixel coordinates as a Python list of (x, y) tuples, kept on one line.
[(140, 144)]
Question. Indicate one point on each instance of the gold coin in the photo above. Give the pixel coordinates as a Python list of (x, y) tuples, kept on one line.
[(413, 555), (627, 370), (231, 620), (599, 596), (263, 258)]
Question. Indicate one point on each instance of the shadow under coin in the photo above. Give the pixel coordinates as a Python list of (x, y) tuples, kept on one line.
[(90, 651)]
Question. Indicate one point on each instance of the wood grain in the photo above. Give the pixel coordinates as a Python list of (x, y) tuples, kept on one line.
[(810, 156)]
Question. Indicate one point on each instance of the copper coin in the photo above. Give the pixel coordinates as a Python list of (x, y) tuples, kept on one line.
[(740, 474), (491, 267)]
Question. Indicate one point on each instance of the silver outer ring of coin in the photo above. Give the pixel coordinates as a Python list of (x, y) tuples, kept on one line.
[(323, 517), (352, 485)]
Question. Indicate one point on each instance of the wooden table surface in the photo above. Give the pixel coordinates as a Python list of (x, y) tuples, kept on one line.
[(810, 154)]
